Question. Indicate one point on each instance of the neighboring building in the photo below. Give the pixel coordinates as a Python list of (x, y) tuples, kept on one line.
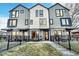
[(38, 22), (74, 13)]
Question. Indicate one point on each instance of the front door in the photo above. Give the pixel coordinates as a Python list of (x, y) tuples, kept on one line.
[(33, 35)]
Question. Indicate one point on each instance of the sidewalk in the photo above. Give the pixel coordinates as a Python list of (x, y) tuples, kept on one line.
[(63, 50)]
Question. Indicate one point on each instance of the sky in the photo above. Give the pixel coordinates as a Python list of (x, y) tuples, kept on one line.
[(6, 7)]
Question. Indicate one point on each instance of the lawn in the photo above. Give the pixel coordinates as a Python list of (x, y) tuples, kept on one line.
[(74, 46), (32, 49)]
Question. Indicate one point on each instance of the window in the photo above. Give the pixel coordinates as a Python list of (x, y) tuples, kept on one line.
[(36, 13), (26, 21), (12, 22), (15, 14), (39, 13), (65, 21), (57, 32), (51, 21), (43, 21), (31, 22), (21, 11), (60, 12)]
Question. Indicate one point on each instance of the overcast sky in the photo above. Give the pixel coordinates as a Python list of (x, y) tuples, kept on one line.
[(5, 7)]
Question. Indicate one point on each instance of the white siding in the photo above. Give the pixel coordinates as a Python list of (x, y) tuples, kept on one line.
[(36, 19)]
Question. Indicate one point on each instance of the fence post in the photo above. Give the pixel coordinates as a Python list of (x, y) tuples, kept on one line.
[(69, 40), (20, 39), (8, 43)]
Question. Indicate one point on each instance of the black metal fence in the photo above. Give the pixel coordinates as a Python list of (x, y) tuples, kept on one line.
[(9, 41), (70, 42)]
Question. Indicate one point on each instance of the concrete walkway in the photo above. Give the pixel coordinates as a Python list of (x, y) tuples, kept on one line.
[(63, 50)]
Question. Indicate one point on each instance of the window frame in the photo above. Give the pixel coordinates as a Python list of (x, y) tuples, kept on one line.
[(21, 11), (69, 20), (15, 14), (25, 21), (63, 10), (12, 23), (50, 21), (40, 13), (37, 13)]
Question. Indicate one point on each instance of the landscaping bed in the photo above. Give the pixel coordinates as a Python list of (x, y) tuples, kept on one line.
[(32, 49)]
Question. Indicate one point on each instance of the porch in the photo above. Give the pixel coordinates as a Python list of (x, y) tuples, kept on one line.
[(27, 35)]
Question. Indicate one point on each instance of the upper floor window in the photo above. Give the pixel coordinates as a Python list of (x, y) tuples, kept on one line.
[(12, 22), (26, 21), (39, 13), (31, 22), (15, 13), (21, 11), (65, 21), (36, 13), (51, 21), (60, 12)]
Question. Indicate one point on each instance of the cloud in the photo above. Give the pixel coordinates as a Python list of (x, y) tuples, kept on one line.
[(3, 22)]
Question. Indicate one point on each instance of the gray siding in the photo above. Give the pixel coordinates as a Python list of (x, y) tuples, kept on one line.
[(56, 20), (22, 17)]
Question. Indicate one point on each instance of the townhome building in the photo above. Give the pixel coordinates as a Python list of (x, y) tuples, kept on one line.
[(59, 20), (38, 22)]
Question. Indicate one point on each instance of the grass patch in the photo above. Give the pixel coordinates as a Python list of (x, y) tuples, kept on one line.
[(32, 49)]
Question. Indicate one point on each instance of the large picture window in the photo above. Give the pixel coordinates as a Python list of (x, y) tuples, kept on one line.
[(15, 14), (13, 22), (65, 21), (60, 12)]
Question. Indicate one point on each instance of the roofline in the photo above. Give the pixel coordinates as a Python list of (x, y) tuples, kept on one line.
[(38, 4), (18, 6), (60, 5)]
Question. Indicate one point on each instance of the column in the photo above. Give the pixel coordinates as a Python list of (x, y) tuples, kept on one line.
[(49, 35)]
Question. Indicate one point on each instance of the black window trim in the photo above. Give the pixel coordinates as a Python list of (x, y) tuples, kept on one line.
[(52, 22), (15, 14), (21, 11), (59, 11), (70, 22), (11, 25), (25, 21)]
